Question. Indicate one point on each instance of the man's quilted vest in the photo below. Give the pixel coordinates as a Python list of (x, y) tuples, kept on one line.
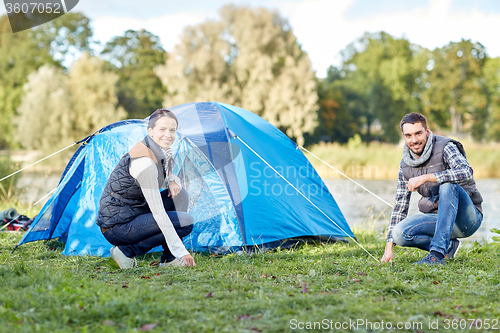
[(122, 199), (430, 191)]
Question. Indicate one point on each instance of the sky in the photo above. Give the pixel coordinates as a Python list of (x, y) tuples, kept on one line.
[(323, 27)]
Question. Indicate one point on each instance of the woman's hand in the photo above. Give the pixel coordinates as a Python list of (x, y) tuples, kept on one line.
[(173, 189), (188, 260)]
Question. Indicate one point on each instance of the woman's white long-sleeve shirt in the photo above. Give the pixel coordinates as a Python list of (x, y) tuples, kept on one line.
[(146, 172)]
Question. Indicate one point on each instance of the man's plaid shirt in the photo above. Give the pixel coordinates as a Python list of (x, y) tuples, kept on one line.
[(458, 169)]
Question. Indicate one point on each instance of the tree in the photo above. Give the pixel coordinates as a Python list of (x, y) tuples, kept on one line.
[(24, 52), (491, 72), (339, 111), (455, 88), (58, 108), (382, 70), (249, 58), (19, 56), (133, 57)]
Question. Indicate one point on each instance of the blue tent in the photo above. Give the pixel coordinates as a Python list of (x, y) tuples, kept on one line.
[(249, 184)]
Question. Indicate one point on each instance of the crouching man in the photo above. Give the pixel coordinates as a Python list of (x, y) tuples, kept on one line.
[(435, 167)]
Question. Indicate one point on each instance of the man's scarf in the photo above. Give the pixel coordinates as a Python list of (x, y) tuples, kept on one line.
[(413, 160)]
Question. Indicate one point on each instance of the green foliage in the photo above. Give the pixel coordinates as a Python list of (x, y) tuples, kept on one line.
[(133, 57), (455, 89), (339, 111), (74, 105), (45, 291), (491, 72), (20, 54), (379, 71), (24, 52), (249, 58), (496, 238)]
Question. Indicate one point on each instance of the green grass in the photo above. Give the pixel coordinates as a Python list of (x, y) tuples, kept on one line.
[(381, 161), (44, 291)]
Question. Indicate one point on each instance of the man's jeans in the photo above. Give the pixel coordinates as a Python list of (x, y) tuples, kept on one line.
[(142, 234), (457, 217)]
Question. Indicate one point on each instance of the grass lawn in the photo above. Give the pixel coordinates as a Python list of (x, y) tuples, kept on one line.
[(279, 291)]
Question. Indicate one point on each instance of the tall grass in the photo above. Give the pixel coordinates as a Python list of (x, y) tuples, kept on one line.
[(381, 161)]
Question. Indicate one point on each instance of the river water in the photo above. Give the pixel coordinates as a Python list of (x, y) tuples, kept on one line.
[(362, 210)]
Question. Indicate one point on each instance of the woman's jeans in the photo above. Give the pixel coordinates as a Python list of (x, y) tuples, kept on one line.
[(142, 234), (457, 217)]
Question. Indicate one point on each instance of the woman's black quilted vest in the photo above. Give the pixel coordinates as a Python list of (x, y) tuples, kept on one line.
[(430, 191), (122, 199)]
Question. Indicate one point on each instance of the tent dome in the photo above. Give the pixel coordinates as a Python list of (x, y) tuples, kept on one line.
[(249, 184)]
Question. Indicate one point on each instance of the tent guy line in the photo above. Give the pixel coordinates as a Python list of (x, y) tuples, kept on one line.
[(43, 159), (343, 174), (353, 239)]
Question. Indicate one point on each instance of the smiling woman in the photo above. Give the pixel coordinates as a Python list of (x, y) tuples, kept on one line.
[(133, 214)]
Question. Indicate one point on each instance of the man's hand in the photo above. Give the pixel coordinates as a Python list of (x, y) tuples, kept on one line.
[(415, 182), (188, 260), (173, 189), (388, 253)]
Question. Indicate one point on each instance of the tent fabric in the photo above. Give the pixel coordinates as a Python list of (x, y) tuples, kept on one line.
[(236, 199)]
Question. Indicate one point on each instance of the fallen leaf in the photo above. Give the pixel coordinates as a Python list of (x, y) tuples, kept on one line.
[(458, 307), (381, 298), (108, 322), (145, 277), (157, 274), (124, 286), (147, 327), (209, 295), (361, 273), (355, 280), (243, 317), (154, 264), (435, 282), (304, 290), (439, 313), (263, 276), (291, 295)]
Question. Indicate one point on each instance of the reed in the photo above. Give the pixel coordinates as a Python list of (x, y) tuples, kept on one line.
[(381, 161)]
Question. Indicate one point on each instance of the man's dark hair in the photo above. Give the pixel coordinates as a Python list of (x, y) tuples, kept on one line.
[(159, 114), (413, 118)]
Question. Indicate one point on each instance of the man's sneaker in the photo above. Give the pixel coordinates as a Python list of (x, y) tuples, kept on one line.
[(174, 263), (431, 260), (122, 260), (454, 246)]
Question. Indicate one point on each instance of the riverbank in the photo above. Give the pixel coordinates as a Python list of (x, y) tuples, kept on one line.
[(381, 161)]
